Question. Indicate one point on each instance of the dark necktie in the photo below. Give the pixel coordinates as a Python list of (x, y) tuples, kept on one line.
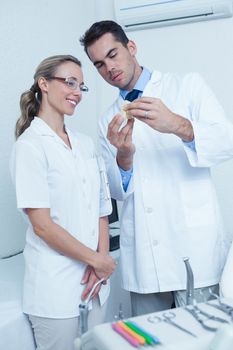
[(132, 95)]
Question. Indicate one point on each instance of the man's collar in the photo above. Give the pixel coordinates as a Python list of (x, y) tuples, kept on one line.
[(141, 82)]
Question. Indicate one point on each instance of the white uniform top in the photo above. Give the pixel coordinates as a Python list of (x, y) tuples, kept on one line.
[(170, 209), (48, 174)]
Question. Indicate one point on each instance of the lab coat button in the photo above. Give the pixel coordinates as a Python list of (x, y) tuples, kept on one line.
[(84, 180), (93, 232), (149, 210), (155, 242)]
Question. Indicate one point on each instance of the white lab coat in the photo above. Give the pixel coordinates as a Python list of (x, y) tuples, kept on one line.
[(170, 210), (226, 282), (48, 174)]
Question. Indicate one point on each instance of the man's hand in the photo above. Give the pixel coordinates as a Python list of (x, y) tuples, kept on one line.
[(154, 113), (121, 138)]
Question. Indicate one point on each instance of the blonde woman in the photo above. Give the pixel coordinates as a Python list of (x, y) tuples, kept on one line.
[(60, 192)]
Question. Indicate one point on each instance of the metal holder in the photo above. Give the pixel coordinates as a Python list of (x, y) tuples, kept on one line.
[(196, 314), (191, 305), (190, 283), (120, 315), (84, 311), (227, 309)]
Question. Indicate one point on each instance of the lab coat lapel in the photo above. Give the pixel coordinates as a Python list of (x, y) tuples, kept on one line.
[(153, 89)]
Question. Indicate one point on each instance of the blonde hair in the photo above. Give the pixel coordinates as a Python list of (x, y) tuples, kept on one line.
[(30, 100)]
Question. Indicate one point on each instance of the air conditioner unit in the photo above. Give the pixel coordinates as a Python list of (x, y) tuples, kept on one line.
[(138, 14)]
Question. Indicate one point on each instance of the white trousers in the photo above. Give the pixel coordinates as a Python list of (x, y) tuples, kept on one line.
[(153, 302), (59, 334)]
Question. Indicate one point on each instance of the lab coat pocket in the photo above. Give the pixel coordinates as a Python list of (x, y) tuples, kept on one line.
[(198, 200)]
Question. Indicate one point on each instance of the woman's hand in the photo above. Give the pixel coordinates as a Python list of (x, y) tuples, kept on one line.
[(104, 265), (90, 278)]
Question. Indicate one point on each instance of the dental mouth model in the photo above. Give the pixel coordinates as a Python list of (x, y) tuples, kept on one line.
[(123, 112)]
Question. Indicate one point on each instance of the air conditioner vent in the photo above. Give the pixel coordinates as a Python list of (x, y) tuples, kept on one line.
[(138, 14)]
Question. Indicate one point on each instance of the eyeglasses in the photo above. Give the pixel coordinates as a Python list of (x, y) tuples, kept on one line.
[(72, 83)]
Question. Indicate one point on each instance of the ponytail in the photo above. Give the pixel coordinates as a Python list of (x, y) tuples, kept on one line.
[(29, 106), (30, 101)]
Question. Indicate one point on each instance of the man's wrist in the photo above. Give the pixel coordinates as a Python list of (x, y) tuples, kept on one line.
[(183, 128), (125, 161)]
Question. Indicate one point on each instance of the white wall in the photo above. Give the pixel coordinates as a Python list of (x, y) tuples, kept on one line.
[(205, 47), (30, 31)]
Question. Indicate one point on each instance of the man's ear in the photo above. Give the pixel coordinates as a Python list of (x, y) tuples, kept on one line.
[(132, 47), (43, 84)]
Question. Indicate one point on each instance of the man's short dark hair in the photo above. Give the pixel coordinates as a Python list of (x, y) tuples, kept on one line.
[(98, 29)]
